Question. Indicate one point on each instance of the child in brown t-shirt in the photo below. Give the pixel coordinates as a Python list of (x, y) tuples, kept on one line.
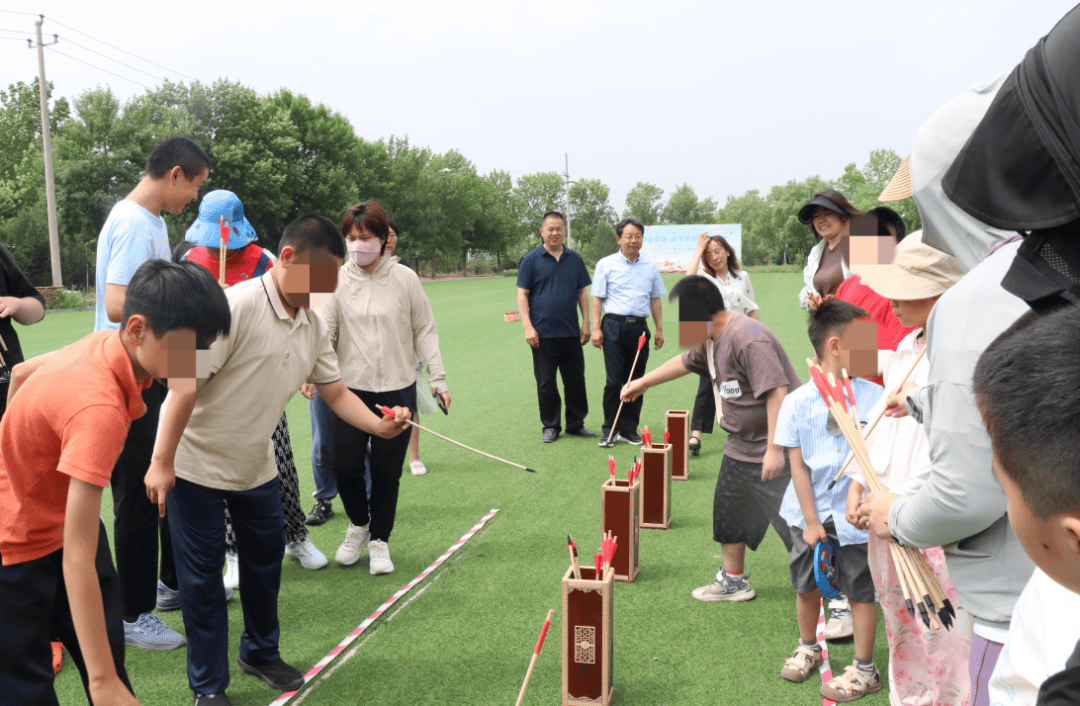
[(751, 375)]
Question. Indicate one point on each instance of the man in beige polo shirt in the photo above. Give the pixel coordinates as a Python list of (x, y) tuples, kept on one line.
[(213, 444)]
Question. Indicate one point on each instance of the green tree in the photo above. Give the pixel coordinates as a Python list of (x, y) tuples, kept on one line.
[(683, 207), (495, 228), (644, 202), (20, 143), (535, 195), (590, 212), (750, 211)]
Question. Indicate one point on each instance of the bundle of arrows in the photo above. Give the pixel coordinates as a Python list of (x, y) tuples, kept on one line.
[(922, 592)]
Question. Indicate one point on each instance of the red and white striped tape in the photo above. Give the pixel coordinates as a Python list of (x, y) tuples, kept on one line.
[(321, 664), (826, 668)]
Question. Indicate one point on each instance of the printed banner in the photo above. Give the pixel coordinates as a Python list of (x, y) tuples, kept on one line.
[(671, 247)]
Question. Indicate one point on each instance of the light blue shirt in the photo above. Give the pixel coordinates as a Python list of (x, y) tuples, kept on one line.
[(131, 236), (627, 287), (802, 423)]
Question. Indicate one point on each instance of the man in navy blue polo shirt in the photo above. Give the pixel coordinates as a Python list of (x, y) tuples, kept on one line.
[(551, 288), (627, 289)]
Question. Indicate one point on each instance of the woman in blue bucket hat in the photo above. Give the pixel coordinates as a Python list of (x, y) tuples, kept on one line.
[(245, 261), (241, 262)]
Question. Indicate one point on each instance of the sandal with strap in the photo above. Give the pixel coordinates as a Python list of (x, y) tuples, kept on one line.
[(853, 684), (804, 660)]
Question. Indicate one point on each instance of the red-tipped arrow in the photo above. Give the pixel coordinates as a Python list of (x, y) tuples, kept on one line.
[(536, 653), (614, 425), (224, 233), (571, 546), (390, 413)]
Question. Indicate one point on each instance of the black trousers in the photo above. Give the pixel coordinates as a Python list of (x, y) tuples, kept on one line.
[(620, 347), (704, 415), (34, 611), (565, 356), (136, 524), (349, 451)]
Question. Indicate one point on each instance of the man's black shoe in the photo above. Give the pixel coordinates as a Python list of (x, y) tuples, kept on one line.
[(212, 700), (319, 514), (629, 437), (582, 432), (550, 435), (604, 443), (277, 674)]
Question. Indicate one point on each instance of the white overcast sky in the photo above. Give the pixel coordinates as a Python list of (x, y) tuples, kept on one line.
[(727, 96)]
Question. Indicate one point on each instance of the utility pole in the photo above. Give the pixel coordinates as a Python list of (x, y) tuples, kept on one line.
[(566, 177), (50, 181)]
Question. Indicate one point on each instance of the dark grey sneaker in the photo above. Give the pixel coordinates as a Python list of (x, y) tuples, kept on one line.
[(550, 435), (726, 589), (582, 432), (212, 700), (277, 674), (630, 437), (604, 443), (319, 514)]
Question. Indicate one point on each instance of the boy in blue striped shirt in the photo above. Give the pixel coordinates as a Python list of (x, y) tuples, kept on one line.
[(817, 449)]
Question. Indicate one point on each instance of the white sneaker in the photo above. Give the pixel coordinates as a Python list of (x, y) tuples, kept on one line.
[(356, 538), (379, 553), (417, 467), (232, 572), (309, 555)]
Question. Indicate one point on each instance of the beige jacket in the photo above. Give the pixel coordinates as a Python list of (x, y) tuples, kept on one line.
[(379, 325)]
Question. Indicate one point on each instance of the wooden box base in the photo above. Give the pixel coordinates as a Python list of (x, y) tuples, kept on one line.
[(586, 638), (620, 514), (677, 425), (656, 486)]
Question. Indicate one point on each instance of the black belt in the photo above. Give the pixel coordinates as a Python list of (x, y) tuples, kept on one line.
[(628, 319)]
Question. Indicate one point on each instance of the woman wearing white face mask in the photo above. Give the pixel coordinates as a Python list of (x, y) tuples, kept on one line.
[(376, 314)]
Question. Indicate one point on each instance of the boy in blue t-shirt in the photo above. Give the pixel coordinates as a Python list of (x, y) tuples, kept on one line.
[(817, 449)]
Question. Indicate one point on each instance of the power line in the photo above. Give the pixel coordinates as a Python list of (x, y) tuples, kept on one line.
[(16, 31), (133, 68), (14, 12), (16, 39), (192, 78), (101, 69)]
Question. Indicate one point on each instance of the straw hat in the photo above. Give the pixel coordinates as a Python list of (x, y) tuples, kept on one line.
[(918, 271), (899, 187)]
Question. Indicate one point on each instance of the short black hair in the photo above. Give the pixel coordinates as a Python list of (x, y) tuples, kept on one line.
[(1026, 387), (628, 221), (555, 214), (699, 298), (178, 295), (392, 224), (180, 152), (308, 232), (832, 317), (181, 249), (888, 217)]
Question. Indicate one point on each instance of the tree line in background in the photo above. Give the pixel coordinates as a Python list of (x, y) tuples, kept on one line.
[(285, 157)]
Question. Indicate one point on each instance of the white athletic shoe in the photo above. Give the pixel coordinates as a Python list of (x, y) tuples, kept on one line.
[(417, 467), (232, 572), (309, 555), (379, 553), (356, 538)]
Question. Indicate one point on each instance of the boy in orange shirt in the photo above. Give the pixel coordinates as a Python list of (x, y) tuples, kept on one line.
[(59, 441)]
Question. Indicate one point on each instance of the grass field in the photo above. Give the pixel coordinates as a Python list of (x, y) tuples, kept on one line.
[(469, 637)]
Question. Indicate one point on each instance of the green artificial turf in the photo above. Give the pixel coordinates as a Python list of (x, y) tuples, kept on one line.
[(468, 637)]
